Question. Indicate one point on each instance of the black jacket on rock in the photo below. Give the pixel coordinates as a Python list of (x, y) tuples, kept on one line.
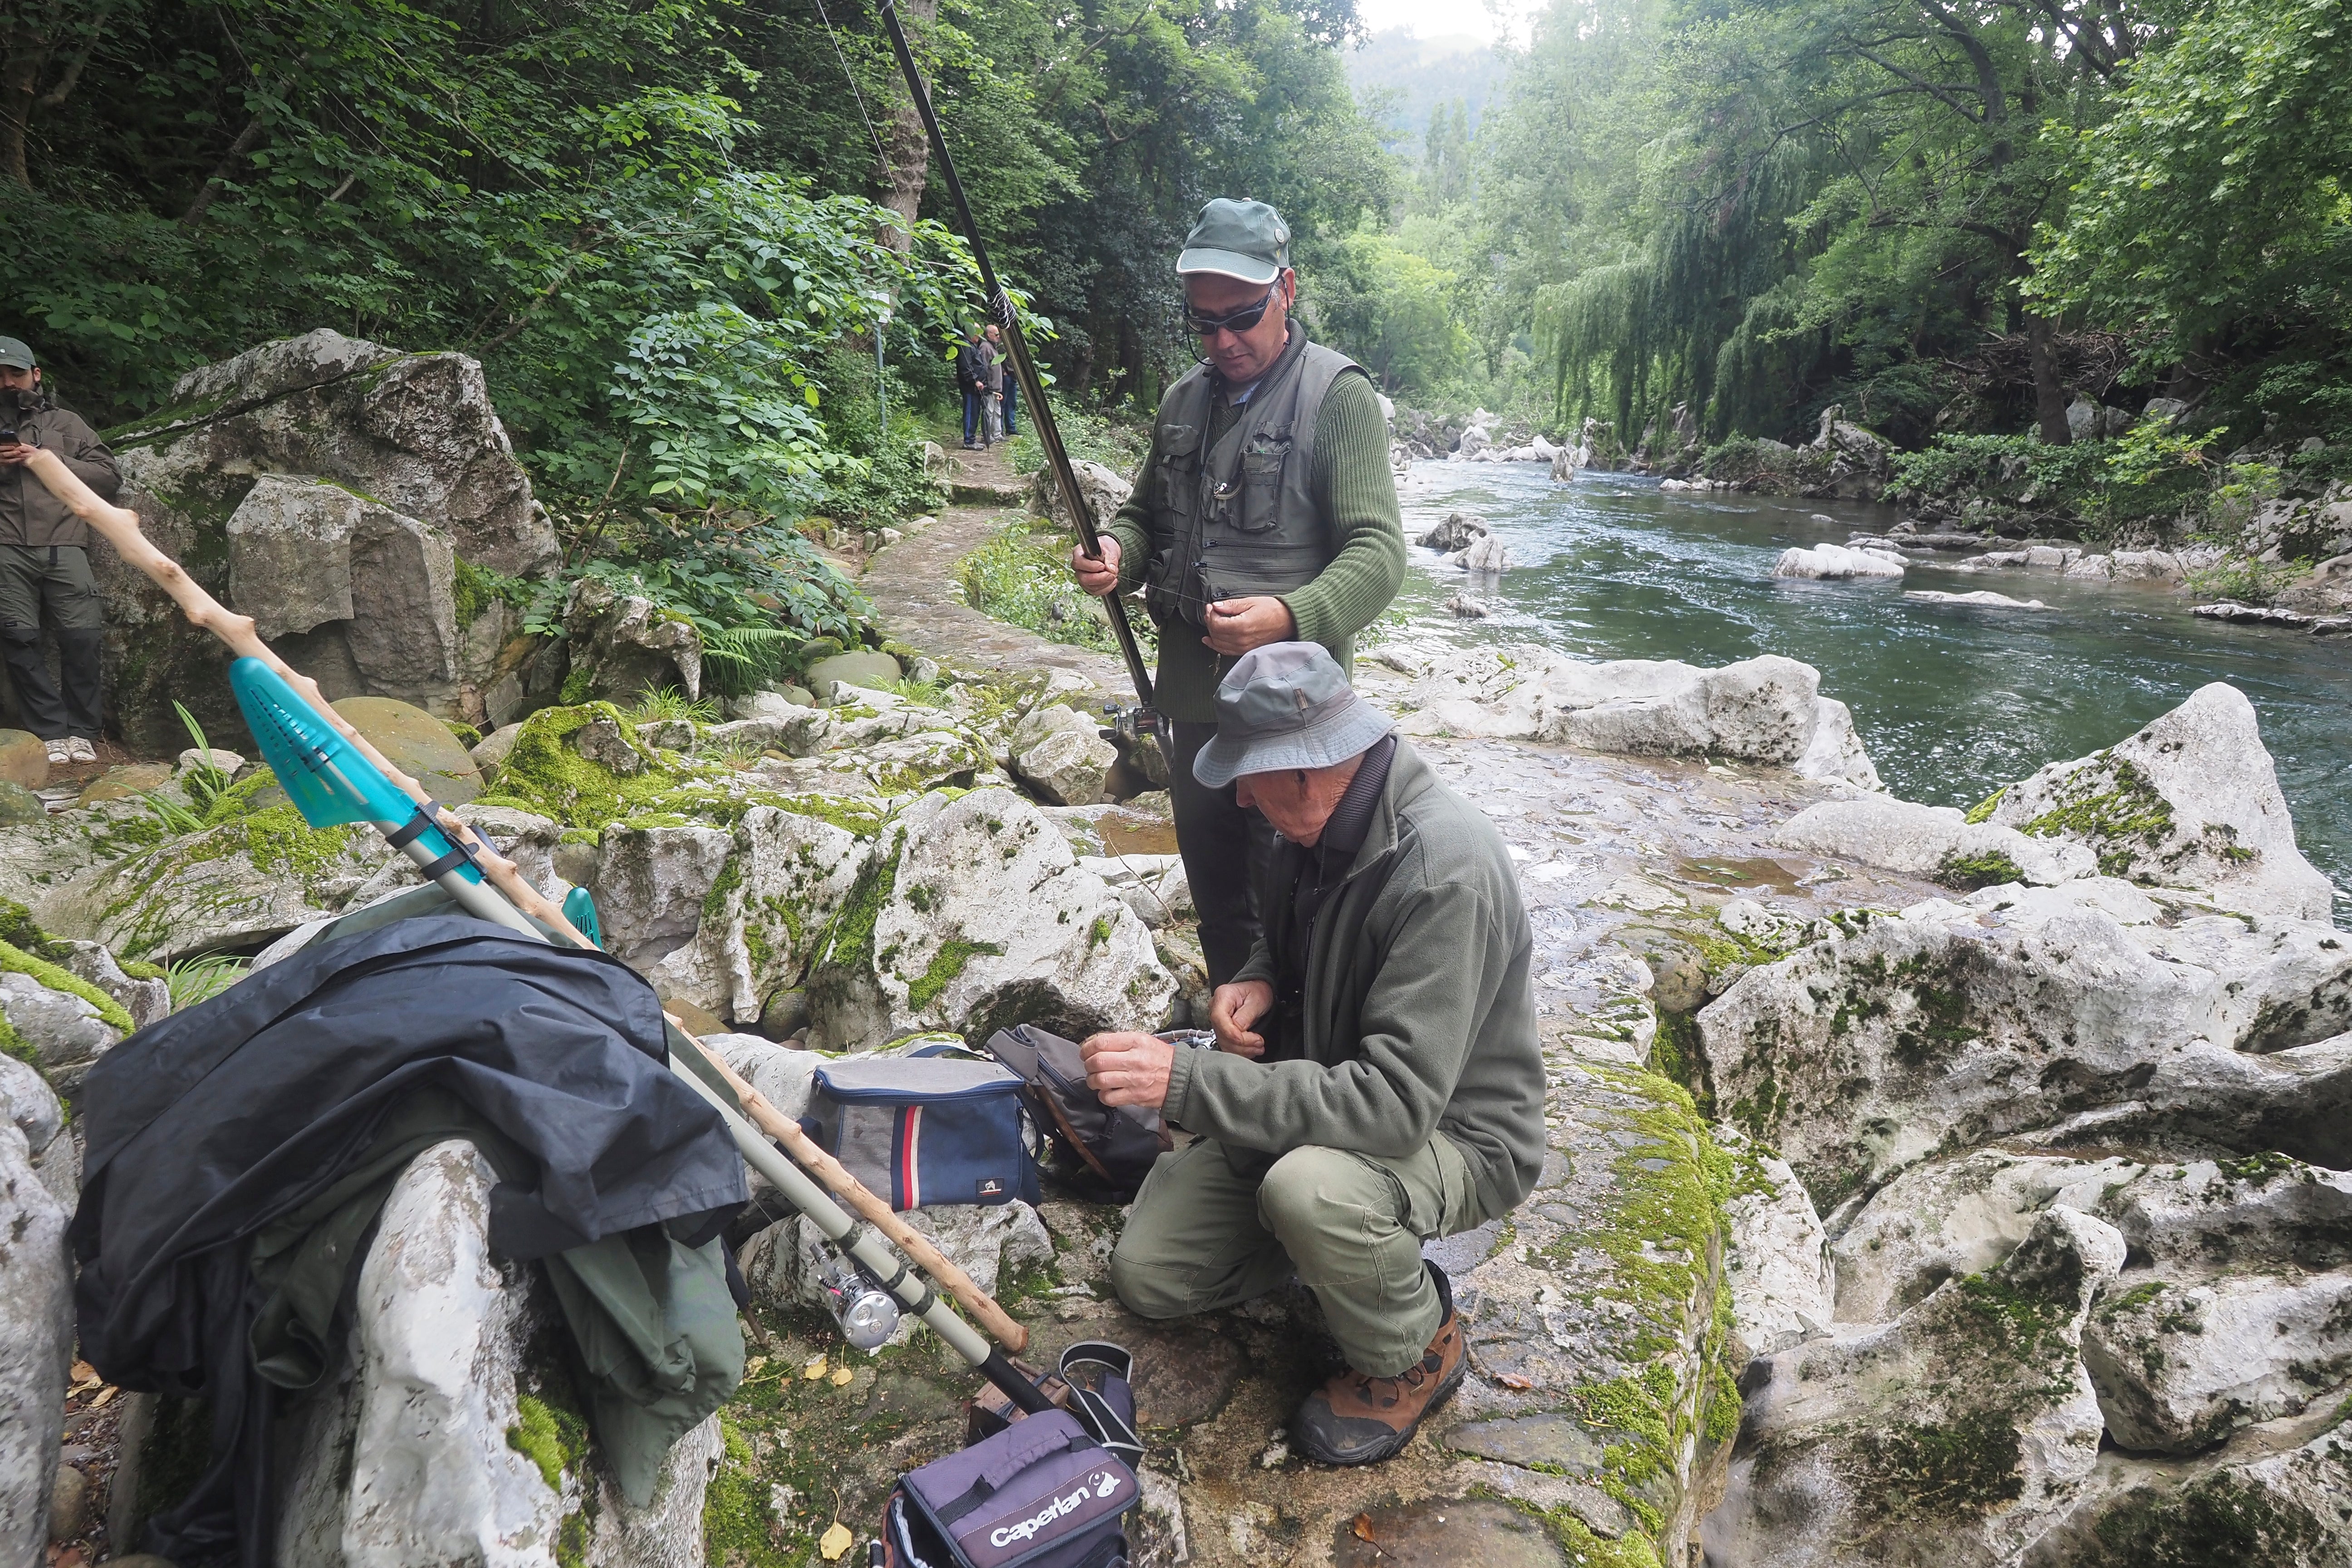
[(335, 1066)]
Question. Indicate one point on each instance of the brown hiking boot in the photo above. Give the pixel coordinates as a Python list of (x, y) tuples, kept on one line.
[(1358, 1420)]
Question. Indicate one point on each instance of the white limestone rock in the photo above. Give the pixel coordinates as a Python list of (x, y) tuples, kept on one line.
[(1457, 530), (1835, 753), (626, 647), (1485, 553), (988, 916), (63, 1029), (144, 1000), (1958, 1434), (1933, 841), (1983, 598), (2253, 1213), (1953, 1217), (1765, 709), (2190, 801), (307, 556), (407, 1461), (649, 885), (1835, 563), (2178, 1363), (1061, 752), (1776, 1257), (1106, 491), (760, 919), (2018, 1008), (37, 1319), (990, 1243)]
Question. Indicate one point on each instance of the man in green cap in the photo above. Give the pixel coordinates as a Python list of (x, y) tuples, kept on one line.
[(1377, 1079), (45, 572), (1264, 512)]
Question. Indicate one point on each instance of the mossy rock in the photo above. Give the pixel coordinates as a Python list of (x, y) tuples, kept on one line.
[(874, 671), (122, 782), (24, 760), (416, 743), (19, 805)]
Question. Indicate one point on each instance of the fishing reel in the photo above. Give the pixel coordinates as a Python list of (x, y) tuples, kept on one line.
[(1132, 724), (868, 1313)]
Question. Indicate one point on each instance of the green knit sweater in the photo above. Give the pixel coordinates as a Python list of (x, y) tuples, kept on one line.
[(1352, 488)]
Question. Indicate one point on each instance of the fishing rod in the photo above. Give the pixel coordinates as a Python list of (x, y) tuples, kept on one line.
[(1144, 719), (333, 775)]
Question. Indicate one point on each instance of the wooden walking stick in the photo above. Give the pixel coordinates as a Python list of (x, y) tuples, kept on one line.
[(118, 526)]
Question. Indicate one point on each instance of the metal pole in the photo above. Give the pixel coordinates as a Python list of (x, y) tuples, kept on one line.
[(1025, 370)]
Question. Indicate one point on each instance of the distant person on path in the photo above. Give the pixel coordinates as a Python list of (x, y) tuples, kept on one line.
[(970, 376), (1264, 512), (45, 572), (1010, 400), (1377, 1081), (992, 375)]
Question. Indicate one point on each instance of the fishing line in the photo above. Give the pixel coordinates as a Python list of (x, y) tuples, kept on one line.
[(879, 152)]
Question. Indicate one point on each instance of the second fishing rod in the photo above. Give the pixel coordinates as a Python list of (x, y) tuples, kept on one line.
[(1144, 719)]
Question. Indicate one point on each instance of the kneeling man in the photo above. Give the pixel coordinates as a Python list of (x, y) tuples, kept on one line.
[(1377, 1081)]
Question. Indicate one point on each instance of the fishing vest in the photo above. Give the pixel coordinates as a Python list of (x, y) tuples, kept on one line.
[(1239, 519)]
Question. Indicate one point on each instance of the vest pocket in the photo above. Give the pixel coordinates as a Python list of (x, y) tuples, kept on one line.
[(1262, 461)]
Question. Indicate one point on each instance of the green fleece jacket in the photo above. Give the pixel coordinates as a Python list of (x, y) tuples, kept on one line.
[(1352, 487), (1418, 1014)]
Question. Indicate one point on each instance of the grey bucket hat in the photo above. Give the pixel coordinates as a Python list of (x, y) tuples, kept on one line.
[(1286, 705)]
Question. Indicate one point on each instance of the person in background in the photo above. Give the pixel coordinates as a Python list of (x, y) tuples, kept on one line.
[(992, 375), (1266, 511), (45, 569), (1012, 397), (974, 383)]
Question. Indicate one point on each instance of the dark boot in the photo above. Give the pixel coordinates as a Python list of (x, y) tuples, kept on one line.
[(1358, 1420)]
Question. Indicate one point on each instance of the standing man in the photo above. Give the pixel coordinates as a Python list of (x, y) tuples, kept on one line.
[(1264, 512), (992, 376), (45, 572), (1011, 402), (971, 376), (1377, 1079)]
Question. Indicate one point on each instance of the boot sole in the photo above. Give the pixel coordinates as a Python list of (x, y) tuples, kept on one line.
[(1389, 1448)]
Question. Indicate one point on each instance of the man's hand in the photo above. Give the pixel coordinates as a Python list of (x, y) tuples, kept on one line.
[(1129, 1068), (1237, 625), (16, 454), (1097, 575), (1233, 1009)]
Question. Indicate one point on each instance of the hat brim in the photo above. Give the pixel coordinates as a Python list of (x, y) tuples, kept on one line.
[(1227, 264), (16, 361), (1352, 732)]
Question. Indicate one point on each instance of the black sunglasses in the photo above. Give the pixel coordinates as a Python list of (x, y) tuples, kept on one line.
[(1239, 321)]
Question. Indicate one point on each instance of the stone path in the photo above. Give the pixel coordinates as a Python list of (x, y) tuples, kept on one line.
[(912, 585)]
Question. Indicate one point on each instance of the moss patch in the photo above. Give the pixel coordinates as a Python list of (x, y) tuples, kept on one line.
[(1969, 872), (15, 960), (945, 964), (2215, 1520), (1911, 1471), (2114, 806), (1982, 811)]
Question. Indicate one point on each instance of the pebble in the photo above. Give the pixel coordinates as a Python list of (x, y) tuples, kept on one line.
[(69, 1503)]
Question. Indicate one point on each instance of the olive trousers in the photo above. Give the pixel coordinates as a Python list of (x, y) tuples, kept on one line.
[(1203, 1234)]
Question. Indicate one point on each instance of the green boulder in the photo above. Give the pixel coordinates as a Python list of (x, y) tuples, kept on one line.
[(416, 743), (874, 671), (122, 782), (23, 759), (19, 805)]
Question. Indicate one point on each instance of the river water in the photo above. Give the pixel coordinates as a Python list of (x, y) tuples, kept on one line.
[(1952, 701)]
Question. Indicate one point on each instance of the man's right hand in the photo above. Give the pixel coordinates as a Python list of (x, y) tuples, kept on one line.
[(1233, 1009), (16, 453), (1097, 575)]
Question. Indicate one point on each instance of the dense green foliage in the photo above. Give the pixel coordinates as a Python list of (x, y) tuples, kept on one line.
[(1955, 220)]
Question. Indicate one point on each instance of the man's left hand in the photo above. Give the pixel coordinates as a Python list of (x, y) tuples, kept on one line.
[(1129, 1068), (16, 454), (1237, 625)]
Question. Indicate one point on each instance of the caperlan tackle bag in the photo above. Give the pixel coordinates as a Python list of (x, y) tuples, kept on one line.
[(1042, 1493), (927, 1128)]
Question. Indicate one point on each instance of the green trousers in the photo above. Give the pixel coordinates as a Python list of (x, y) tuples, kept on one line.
[(1203, 1235)]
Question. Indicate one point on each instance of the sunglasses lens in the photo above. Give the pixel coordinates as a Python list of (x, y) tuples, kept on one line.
[(1239, 321)]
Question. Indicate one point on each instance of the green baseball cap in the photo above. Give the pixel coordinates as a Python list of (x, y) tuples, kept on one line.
[(1247, 240), (15, 355)]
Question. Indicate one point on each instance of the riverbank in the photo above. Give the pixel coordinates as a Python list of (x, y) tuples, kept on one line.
[(1720, 1308)]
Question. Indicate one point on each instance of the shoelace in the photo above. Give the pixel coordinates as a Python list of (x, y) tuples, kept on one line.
[(1415, 1374)]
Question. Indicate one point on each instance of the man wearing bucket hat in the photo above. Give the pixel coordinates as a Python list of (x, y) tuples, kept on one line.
[(45, 569), (1377, 1081), (1266, 511)]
